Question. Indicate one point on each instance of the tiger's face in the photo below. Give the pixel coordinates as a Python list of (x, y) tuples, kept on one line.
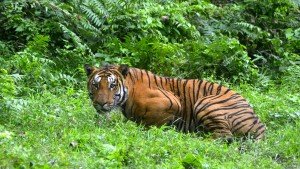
[(106, 86)]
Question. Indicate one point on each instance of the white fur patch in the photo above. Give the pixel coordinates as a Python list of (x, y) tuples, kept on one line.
[(111, 81), (97, 79)]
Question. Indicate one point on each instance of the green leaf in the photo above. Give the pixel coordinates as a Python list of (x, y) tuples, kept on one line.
[(190, 160), (289, 33), (20, 29)]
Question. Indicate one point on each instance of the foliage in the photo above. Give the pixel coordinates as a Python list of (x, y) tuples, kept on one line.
[(7, 88), (249, 35), (262, 28)]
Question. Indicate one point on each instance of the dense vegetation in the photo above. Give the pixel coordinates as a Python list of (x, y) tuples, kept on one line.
[(46, 119)]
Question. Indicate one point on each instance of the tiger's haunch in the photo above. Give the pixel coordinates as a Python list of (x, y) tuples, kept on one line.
[(191, 105)]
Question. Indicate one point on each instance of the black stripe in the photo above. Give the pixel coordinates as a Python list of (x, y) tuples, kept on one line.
[(214, 103), (132, 93), (227, 91), (123, 96), (161, 83), (214, 128), (218, 115), (260, 127), (252, 125), (192, 117), (238, 104), (204, 90), (199, 87), (219, 89), (184, 91), (244, 120), (178, 82), (263, 131), (179, 124), (141, 71), (235, 96), (238, 128), (240, 117), (166, 95), (240, 112), (168, 81), (236, 119), (196, 107), (155, 79), (172, 85), (214, 110), (214, 125), (236, 113), (218, 122), (210, 88), (131, 78), (258, 135), (194, 98), (184, 100), (135, 73), (148, 78), (178, 105)]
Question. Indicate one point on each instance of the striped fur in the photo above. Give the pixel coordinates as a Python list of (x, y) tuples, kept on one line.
[(191, 105)]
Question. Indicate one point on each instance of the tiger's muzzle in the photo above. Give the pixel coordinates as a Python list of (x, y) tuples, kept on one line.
[(103, 108)]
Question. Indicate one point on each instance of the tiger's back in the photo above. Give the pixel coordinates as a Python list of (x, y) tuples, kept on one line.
[(191, 105)]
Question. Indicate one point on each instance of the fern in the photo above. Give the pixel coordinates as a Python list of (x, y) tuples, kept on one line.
[(39, 43), (92, 16), (76, 39), (99, 8), (249, 29)]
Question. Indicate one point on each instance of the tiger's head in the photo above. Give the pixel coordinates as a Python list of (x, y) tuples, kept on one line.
[(107, 86)]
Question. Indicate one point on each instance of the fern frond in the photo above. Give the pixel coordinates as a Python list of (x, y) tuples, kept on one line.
[(76, 39), (85, 23), (99, 8), (248, 26), (92, 16)]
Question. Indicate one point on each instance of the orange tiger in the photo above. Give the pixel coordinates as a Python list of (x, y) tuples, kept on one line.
[(191, 105)]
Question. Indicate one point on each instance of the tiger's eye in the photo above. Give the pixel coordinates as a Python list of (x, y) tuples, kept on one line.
[(113, 85), (95, 85)]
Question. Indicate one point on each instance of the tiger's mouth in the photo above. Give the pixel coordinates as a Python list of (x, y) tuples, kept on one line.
[(102, 109)]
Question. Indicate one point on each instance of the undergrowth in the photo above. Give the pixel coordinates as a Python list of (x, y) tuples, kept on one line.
[(59, 129)]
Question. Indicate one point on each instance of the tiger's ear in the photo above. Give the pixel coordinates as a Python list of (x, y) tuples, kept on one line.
[(124, 69), (89, 69)]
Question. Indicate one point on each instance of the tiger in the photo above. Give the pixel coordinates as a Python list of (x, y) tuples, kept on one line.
[(190, 105)]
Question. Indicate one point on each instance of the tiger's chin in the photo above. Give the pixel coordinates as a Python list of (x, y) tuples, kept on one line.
[(105, 114), (103, 111)]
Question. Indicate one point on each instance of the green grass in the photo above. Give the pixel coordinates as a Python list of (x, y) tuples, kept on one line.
[(59, 130)]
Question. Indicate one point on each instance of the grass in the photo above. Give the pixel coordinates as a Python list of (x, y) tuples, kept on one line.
[(58, 129)]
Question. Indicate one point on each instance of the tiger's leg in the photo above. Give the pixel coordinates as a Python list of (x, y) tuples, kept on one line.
[(228, 114), (211, 117), (156, 107)]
